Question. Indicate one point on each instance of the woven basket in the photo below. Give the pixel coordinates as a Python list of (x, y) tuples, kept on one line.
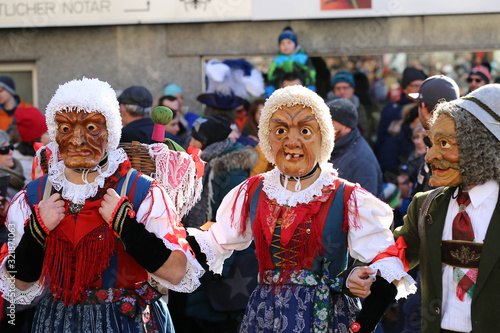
[(138, 155)]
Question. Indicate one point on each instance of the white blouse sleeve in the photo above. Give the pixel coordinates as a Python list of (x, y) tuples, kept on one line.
[(224, 236), (158, 215), (19, 212), (370, 235)]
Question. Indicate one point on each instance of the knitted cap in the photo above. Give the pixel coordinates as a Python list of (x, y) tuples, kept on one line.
[(435, 89), (8, 84), (87, 95), (288, 33), (484, 104), (30, 124), (172, 89), (291, 96), (136, 95), (343, 111), (211, 129), (411, 74), (482, 71), (343, 76)]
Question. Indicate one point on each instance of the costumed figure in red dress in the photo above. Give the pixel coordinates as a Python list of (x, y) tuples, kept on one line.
[(305, 221), (93, 230)]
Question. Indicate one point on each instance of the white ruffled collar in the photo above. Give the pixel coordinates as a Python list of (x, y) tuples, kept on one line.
[(77, 193), (274, 190)]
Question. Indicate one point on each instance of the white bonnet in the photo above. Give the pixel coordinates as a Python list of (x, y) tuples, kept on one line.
[(291, 96), (88, 95)]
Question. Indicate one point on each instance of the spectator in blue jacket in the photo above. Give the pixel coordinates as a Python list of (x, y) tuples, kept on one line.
[(352, 155), (388, 157)]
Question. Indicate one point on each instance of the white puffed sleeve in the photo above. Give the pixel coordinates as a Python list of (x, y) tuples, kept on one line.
[(158, 215), (369, 235), (19, 212), (224, 236)]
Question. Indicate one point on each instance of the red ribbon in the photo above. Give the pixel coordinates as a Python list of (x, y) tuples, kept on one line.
[(198, 162), (178, 236), (397, 250), (36, 146)]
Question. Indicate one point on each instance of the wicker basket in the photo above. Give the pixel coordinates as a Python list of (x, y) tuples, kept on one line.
[(139, 157)]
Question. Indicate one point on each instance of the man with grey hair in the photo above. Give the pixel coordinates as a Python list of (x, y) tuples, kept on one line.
[(135, 109), (460, 219)]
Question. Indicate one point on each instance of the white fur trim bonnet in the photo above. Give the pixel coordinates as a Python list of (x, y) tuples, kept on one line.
[(88, 95), (291, 96)]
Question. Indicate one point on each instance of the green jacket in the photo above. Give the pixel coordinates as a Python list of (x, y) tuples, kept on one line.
[(485, 307)]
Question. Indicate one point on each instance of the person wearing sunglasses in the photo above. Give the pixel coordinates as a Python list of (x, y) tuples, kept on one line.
[(11, 166), (478, 77), (11, 181)]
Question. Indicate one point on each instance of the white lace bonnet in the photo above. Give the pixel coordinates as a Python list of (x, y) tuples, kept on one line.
[(88, 95), (291, 96)]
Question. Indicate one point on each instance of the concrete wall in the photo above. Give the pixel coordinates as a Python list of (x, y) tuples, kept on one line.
[(152, 55)]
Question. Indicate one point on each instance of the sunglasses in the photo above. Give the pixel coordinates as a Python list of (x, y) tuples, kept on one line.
[(469, 80), (5, 150)]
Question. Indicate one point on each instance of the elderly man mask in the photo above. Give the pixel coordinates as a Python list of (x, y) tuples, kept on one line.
[(456, 246), (460, 137), (443, 155)]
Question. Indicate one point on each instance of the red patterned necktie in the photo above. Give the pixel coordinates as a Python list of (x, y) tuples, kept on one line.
[(462, 230)]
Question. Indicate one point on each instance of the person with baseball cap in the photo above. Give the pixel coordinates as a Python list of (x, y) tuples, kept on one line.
[(433, 91), (135, 109)]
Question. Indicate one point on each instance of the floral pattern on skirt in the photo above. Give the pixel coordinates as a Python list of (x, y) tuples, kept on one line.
[(290, 308), (56, 317)]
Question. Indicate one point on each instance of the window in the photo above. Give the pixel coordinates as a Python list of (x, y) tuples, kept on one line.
[(25, 78)]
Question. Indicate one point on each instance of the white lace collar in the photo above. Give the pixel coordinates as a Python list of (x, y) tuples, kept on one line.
[(77, 193), (274, 190)]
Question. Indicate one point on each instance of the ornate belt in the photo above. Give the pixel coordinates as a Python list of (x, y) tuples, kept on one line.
[(461, 254), (131, 302)]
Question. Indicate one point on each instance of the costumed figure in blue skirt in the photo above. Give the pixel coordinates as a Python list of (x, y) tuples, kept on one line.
[(305, 222), (93, 229)]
